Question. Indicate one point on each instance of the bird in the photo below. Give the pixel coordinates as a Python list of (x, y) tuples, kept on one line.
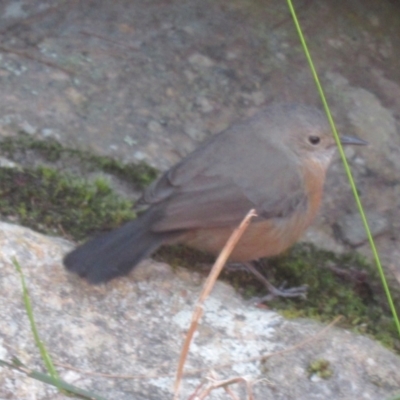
[(274, 162)]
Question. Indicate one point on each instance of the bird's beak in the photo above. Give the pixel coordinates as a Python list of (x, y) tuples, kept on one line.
[(352, 140)]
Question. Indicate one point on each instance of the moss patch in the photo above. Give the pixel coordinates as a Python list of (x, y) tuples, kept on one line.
[(321, 368), (346, 285), (29, 150), (52, 192), (50, 202), (180, 255)]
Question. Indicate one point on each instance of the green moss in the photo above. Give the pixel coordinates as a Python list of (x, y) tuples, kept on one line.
[(337, 285), (180, 255), (51, 202), (139, 174), (24, 147), (49, 149), (320, 367)]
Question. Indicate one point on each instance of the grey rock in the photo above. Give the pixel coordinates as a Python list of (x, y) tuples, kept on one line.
[(155, 127), (351, 228), (6, 163), (201, 60), (28, 128), (136, 326), (322, 239), (14, 10), (372, 121)]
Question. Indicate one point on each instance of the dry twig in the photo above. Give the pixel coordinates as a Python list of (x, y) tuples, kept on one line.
[(208, 285)]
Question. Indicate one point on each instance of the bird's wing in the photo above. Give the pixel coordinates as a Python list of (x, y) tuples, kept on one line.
[(217, 186), (182, 173)]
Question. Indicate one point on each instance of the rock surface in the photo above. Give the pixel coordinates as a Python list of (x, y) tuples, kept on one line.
[(136, 326), (351, 228)]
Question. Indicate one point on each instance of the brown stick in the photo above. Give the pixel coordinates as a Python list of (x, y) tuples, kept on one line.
[(208, 285)]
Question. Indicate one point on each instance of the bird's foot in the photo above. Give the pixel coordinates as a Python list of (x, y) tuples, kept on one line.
[(300, 291)]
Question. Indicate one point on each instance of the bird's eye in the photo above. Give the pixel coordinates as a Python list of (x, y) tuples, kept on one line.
[(314, 140)]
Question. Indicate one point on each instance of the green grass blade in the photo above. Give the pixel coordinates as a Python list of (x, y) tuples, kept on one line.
[(52, 379), (28, 306), (346, 167), (58, 383)]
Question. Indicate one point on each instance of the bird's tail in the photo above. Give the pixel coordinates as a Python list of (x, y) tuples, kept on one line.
[(115, 253)]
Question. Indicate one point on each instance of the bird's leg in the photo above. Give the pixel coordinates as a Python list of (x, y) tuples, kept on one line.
[(300, 291), (281, 291)]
